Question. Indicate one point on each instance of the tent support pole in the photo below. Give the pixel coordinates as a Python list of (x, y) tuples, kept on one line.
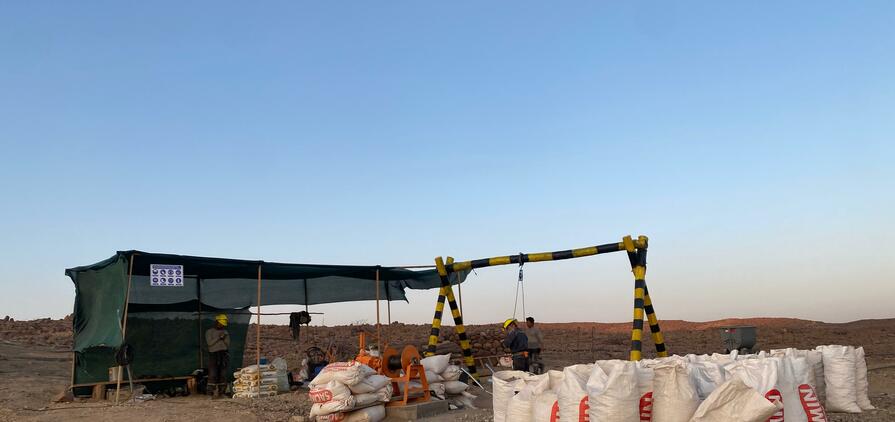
[(378, 321), (388, 306), (199, 299), (258, 330), (127, 299)]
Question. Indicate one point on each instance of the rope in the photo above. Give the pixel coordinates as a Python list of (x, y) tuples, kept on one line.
[(519, 284)]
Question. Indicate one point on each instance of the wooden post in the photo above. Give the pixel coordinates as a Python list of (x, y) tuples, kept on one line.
[(258, 331), (388, 328), (199, 310), (127, 299), (378, 323)]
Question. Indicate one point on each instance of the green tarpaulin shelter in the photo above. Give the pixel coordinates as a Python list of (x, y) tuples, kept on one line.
[(164, 324)]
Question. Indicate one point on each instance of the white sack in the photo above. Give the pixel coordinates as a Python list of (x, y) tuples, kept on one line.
[(437, 388), (505, 385), (862, 385), (793, 374), (369, 414), (674, 395), (706, 376), (612, 394), (760, 374), (321, 409), (815, 362), (348, 373), (555, 378), (455, 387), (451, 373), (572, 394), (437, 363), (282, 373), (840, 371), (331, 391), (303, 369), (370, 384), (645, 375), (521, 405), (735, 401), (383, 396), (545, 407), (433, 377)]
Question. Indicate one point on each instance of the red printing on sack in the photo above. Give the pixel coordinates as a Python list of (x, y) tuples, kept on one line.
[(773, 396), (646, 407), (812, 406)]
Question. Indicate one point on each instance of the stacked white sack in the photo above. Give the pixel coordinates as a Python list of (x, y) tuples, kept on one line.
[(735, 401), (254, 381), (612, 393), (505, 385), (443, 378), (674, 393), (546, 404), (760, 373), (349, 391), (521, 405), (845, 375), (815, 361), (572, 395)]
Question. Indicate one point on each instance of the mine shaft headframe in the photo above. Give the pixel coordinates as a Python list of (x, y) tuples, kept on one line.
[(636, 250)]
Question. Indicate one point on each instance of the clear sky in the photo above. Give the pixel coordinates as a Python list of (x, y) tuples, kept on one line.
[(752, 142)]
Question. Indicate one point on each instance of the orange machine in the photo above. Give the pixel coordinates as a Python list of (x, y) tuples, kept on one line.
[(401, 368)]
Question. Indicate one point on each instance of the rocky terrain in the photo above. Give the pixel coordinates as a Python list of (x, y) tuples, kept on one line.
[(35, 362)]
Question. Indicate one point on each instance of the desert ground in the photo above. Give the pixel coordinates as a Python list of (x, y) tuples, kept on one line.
[(35, 364)]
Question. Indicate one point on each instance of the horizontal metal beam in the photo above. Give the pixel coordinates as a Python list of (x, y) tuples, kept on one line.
[(627, 244)]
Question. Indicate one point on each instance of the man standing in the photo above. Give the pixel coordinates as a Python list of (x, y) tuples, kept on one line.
[(517, 342), (218, 341), (535, 341)]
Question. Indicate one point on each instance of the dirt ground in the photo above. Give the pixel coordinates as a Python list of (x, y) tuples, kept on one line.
[(35, 366)]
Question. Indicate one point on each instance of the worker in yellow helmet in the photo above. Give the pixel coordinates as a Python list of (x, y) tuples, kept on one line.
[(217, 339), (517, 342)]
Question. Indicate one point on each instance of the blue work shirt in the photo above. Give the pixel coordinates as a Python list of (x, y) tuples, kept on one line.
[(516, 341)]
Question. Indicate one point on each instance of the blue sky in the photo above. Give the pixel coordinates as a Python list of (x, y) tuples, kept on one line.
[(752, 142)]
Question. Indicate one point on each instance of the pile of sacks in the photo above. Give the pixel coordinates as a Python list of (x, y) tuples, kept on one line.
[(349, 391), (256, 381), (784, 385), (443, 378)]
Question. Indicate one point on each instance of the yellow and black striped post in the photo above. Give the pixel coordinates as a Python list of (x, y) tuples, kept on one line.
[(637, 255), (447, 292), (436, 323)]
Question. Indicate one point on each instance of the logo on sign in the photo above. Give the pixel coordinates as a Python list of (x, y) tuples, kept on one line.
[(163, 275)]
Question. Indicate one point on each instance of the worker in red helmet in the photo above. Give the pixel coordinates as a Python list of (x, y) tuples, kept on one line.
[(517, 342)]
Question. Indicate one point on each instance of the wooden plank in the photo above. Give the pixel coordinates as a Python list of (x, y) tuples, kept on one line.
[(105, 383), (99, 391)]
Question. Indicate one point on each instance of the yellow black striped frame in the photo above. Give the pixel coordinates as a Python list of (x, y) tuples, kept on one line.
[(636, 249)]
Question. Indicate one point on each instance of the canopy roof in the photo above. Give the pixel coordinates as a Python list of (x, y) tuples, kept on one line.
[(101, 289), (116, 293)]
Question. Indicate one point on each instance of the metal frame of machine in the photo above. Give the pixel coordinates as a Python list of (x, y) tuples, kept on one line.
[(636, 249), (402, 368)]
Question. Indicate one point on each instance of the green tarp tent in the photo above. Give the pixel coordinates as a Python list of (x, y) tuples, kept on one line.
[(164, 324)]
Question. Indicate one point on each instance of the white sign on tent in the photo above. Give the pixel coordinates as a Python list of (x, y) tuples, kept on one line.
[(162, 275)]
